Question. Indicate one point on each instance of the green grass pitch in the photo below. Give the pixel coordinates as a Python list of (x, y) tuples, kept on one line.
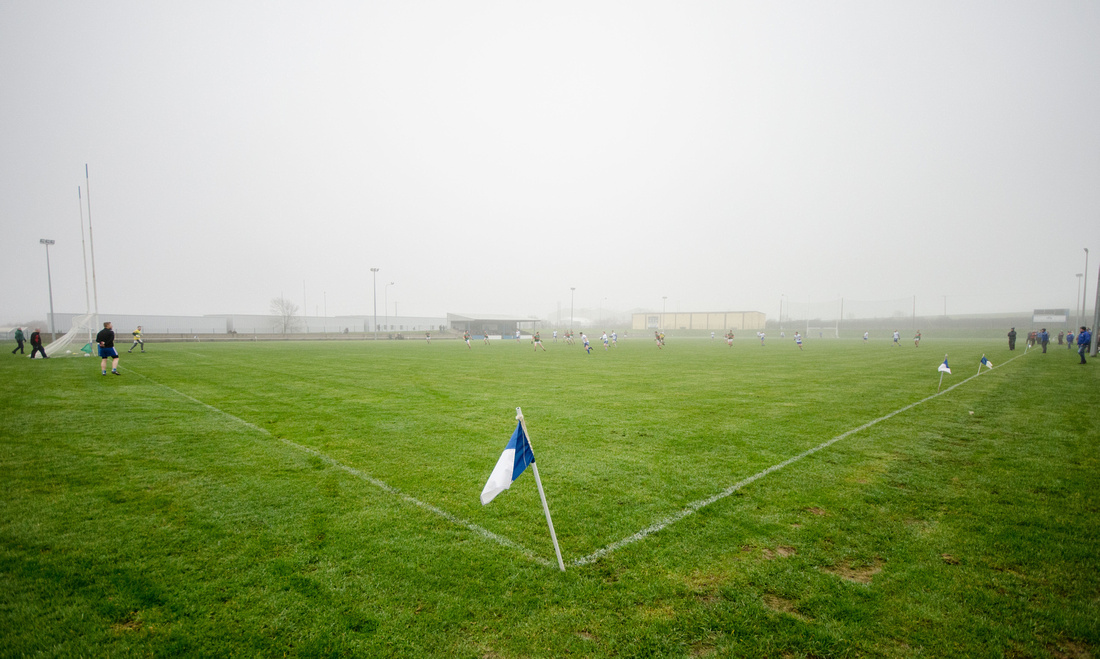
[(321, 499)]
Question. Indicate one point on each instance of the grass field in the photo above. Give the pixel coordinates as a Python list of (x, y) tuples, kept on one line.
[(321, 499)]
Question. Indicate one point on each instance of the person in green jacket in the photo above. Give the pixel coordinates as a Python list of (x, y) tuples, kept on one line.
[(19, 339)]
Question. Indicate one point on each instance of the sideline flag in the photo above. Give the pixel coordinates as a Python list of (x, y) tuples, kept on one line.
[(985, 362), (517, 455), (944, 368)]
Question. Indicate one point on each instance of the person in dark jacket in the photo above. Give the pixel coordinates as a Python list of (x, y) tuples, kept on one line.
[(19, 339), (1012, 338), (1044, 338), (1084, 340), (36, 343), (106, 341)]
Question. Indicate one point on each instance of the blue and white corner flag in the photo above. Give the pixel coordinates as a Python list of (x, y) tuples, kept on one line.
[(517, 455), (944, 368), (985, 362)]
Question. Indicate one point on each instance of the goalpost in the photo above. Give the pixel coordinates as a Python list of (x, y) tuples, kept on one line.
[(832, 332), (84, 328), (79, 339)]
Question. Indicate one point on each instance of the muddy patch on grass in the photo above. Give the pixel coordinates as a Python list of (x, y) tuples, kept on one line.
[(857, 573), (706, 587), (130, 624), (820, 512), (781, 551), (1070, 650), (783, 605)]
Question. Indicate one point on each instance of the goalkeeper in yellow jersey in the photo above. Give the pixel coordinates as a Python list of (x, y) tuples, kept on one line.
[(137, 340)]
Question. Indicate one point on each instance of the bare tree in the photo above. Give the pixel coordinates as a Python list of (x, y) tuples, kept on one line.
[(285, 313)]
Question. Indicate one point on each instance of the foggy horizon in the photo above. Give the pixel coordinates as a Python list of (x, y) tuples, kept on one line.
[(489, 157)]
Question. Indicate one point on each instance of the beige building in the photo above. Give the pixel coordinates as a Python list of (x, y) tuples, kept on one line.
[(717, 320)]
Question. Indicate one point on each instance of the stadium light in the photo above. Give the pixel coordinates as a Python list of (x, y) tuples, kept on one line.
[(49, 281), (374, 275), (1077, 301), (386, 304), (572, 290), (1085, 287), (1096, 316)]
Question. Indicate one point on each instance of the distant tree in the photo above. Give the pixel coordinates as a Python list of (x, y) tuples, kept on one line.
[(285, 313)]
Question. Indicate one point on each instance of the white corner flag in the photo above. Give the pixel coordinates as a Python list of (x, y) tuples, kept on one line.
[(944, 368), (517, 455)]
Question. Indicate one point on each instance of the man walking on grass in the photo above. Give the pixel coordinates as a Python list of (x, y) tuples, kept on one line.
[(19, 339), (106, 341), (1084, 340)]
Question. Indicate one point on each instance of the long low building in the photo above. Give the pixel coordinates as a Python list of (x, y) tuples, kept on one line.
[(700, 320)]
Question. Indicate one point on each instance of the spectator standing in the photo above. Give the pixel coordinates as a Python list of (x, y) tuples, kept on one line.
[(36, 344), (1084, 339)]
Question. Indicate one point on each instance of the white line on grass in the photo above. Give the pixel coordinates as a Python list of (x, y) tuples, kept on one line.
[(702, 503), (385, 487)]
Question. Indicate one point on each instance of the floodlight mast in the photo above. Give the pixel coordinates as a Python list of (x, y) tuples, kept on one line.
[(386, 305), (374, 275), (1085, 289), (572, 291), (1096, 317), (1077, 302), (49, 282)]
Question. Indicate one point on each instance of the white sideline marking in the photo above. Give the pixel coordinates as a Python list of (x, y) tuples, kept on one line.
[(599, 553), (385, 487), (702, 503)]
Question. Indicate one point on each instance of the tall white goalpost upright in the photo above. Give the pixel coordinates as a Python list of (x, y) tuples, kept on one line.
[(84, 326)]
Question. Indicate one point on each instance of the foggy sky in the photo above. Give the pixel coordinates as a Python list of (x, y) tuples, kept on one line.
[(489, 156)]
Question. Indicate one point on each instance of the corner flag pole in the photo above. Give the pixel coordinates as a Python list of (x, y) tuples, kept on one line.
[(981, 364), (542, 495), (941, 377)]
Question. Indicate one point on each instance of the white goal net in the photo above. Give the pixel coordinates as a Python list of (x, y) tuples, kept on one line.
[(79, 340)]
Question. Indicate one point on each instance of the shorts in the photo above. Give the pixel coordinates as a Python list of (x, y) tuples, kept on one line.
[(108, 352)]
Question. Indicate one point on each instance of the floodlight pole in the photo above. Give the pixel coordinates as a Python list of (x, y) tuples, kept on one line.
[(374, 275), (1085, 287), (1077, 301), (386, 304), (1096, 316), (664, 304), (49, 282), (572, 291)]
